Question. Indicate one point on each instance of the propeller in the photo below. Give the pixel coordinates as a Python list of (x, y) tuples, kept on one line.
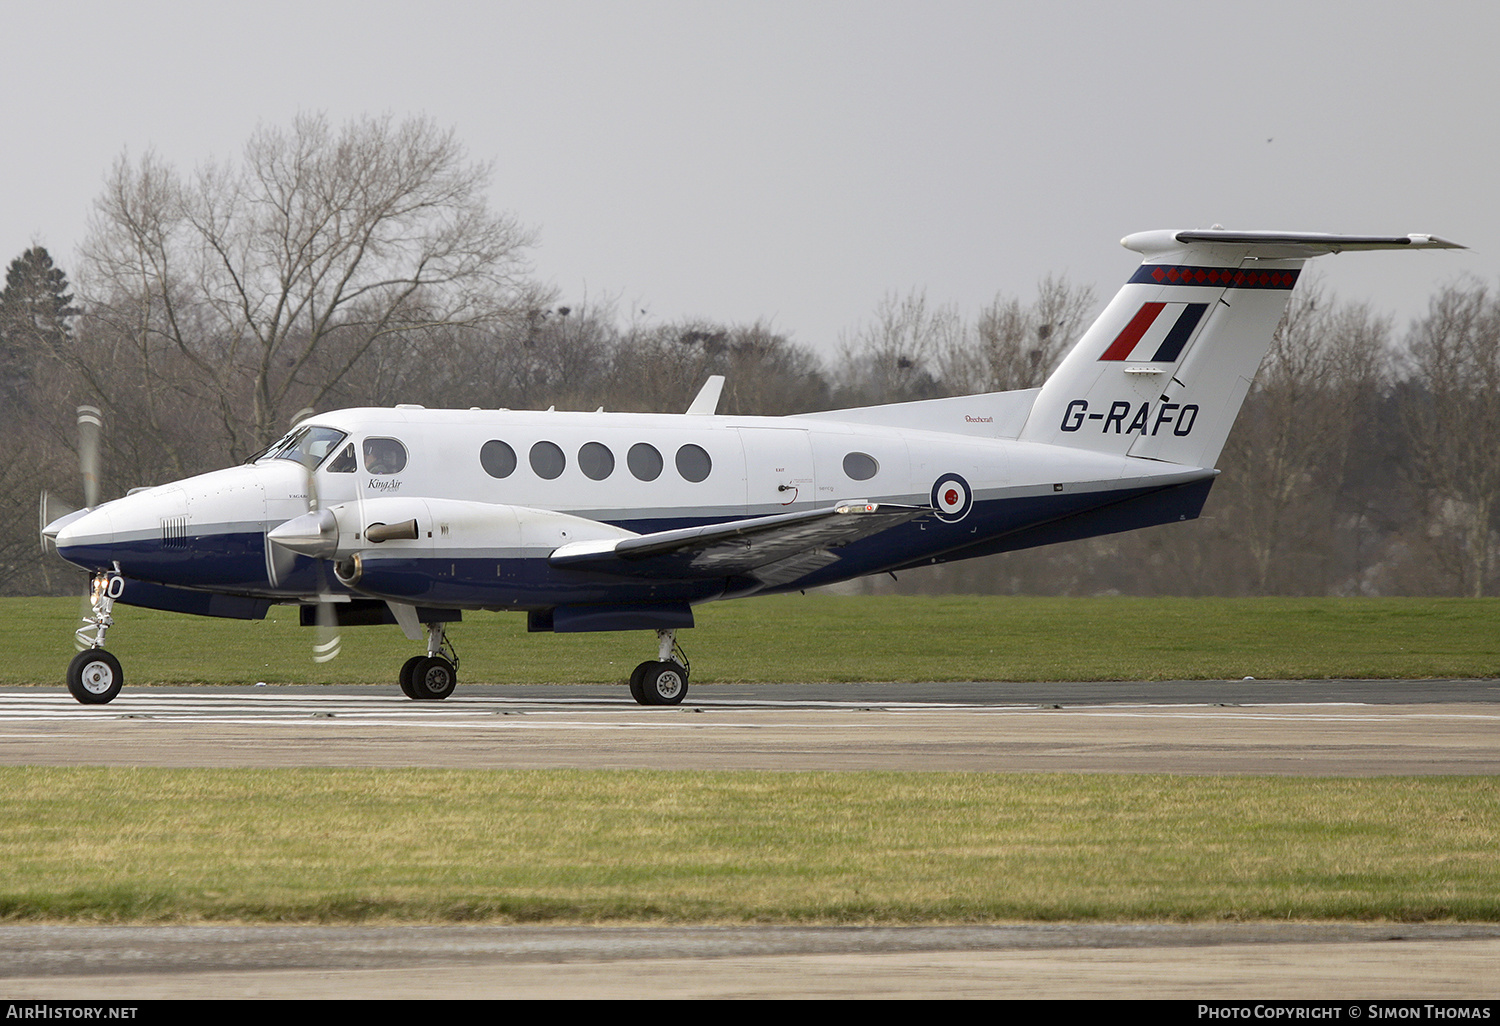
[(90, 426), (53, 512), (51, 508), (329, 642), (280, 561)]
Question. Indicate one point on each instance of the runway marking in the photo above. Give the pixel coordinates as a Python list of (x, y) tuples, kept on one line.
[(334, 706), (286, 728), (596, 713)]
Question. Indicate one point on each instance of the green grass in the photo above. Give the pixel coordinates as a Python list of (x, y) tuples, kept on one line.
[(824, 638), (316, 845)]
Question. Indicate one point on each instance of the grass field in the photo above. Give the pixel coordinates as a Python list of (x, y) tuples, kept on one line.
[(90, 844), (303, 845), (823, 638)]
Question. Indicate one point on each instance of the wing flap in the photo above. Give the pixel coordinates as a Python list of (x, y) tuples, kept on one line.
[(775, 549)]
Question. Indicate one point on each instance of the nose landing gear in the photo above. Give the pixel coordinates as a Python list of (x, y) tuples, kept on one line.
[(94, 675), (664, 681)]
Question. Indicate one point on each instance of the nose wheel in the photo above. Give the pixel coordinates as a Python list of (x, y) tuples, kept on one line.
[(663, 681), (95, 677)]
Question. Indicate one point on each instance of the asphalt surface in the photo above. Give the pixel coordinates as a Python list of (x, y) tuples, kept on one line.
[(1246, 727)]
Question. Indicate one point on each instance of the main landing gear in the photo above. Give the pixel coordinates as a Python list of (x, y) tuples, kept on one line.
[(665, 681), (94, 676), (433, 676)]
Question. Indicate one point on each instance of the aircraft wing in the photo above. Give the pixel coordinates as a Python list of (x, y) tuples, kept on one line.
[(774, 549)]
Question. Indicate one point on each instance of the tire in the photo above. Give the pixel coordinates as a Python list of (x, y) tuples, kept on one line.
[(95, 677), (637, 689), (664, 683), (433, 678), (407, 669)]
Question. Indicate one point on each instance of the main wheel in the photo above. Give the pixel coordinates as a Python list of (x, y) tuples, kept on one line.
[(407, 669), (664, 683), (433, 678), (637, 675), (95, 677)]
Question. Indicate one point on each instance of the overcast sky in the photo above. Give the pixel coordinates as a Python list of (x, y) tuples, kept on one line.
[(794, 162)]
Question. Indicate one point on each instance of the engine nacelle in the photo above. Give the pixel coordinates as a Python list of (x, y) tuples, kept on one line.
[(351, 533)]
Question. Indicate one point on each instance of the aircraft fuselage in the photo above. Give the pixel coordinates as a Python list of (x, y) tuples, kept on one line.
[(638, 473)]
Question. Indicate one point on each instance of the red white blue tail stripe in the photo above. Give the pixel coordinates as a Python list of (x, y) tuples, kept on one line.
[(1157, 333)]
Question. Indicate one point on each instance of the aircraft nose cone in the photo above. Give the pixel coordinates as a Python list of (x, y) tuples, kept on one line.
[(53, 529), (312, 534), (85, 538)]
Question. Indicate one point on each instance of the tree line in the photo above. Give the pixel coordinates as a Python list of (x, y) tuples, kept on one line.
[(360, 264)]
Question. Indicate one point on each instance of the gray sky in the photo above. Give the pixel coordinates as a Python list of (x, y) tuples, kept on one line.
[(794, 162)]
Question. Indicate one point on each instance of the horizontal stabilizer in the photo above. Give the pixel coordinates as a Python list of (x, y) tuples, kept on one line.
[(1285, 245)]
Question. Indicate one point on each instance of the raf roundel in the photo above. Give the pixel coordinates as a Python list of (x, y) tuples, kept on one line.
[(952, 498)]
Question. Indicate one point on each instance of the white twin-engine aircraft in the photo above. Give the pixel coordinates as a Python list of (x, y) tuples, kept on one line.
[(623, 521)]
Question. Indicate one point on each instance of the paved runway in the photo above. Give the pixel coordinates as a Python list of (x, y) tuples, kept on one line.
[(1342, 728), (1339, 729)]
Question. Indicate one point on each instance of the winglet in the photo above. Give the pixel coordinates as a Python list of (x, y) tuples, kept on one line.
[(707, 401)]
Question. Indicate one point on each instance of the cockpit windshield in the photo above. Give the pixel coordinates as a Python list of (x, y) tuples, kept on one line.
[(309, 446)]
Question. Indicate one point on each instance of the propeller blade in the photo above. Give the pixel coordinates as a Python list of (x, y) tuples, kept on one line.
[(90, 425), (51, 509), (329, 641), (279, 562)]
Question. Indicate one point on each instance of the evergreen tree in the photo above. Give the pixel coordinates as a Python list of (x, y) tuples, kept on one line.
[(35, 308)]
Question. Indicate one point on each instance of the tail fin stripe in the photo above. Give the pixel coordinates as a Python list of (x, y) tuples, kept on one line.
[(1138, 326), (1172, 345), (1224, 277)]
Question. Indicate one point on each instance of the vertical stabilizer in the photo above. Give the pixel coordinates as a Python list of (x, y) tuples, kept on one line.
[(1162, 373)]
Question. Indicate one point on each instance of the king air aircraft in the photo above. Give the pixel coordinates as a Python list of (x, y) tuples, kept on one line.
[(626, 521)]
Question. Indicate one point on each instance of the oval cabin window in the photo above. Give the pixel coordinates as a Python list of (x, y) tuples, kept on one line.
[(497, 458), (596, 461), (860, 466), (644, 461), (693, 463), (547, 460)]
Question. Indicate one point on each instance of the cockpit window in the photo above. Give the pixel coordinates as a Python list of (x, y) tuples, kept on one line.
[(309, 446), (343, 463), (384, 456)]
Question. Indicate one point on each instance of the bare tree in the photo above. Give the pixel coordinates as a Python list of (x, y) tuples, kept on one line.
[(1016, 346), (1287, 458), (255, 287), (661, 367), (897, 356), (1453, 424)]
